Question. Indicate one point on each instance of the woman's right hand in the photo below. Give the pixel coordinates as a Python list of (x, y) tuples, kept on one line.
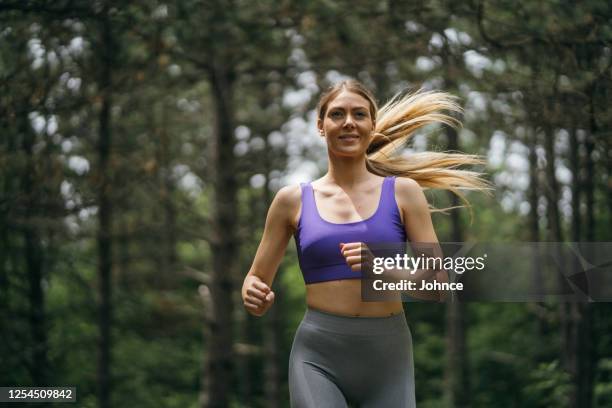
[(256, 296)]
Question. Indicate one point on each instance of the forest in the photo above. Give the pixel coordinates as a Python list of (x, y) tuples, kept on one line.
[(142, 142)]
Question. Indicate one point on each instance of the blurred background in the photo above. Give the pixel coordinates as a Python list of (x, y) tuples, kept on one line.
[(142, 142)]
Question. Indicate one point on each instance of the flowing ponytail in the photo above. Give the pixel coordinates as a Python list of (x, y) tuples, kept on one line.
[(396, 123)]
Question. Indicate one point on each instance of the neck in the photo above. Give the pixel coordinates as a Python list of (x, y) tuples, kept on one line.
[(347, 171)]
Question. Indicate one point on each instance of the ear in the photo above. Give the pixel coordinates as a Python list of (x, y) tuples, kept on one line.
[(320, 127)]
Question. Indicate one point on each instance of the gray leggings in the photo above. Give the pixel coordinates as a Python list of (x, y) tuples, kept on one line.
[(362, 361)]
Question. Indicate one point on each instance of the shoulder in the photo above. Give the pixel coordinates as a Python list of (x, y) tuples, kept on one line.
[(287, 204), (407, 187), (409, 195), (288, 196)]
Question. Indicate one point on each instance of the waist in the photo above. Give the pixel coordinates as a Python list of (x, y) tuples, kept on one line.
[(343, 297), (369, 325)]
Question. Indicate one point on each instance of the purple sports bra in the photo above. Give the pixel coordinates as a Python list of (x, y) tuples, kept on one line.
[(318, 241)]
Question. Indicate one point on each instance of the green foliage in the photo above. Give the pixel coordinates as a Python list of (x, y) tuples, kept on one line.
[(603, 387), (426, 322), (544, 65), (549, 385)]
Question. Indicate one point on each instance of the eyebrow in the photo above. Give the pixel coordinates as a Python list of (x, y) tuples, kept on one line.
[(341, 108)]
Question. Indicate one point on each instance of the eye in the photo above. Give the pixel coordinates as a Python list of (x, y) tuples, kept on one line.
[(336, 114), (361, 114)]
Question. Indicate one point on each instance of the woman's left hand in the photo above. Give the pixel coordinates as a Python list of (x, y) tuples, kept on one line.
[(355, 254)]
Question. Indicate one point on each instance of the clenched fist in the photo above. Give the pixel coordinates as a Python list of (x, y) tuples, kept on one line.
[(355, 253), (256, 296)]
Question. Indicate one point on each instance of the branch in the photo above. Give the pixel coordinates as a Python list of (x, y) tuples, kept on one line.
[(199, 276), (203, 65), (37, 7), (244, 349)]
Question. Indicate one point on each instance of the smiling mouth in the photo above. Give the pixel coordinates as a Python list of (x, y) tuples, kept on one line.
[(349, 137)]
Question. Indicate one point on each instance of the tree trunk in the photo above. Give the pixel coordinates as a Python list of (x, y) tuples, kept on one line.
[(246, 322), (33, 254), (585, 353), (608, 159), (589, 185), (105, 217), (456, 372), (205, 297), (534, 225), (576, 183), (554, 235), (552, 187), (224, 238), (534, 230), (585, 358), (168, 256), (581, 312)]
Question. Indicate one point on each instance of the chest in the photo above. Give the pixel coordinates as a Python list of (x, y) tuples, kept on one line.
[(346, 207)]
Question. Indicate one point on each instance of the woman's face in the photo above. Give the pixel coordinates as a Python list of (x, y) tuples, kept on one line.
[(347, 124)]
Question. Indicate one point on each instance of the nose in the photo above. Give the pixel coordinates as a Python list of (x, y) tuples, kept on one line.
[(349, 121)]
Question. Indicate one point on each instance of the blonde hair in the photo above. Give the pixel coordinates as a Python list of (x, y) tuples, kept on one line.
[(396, 123)]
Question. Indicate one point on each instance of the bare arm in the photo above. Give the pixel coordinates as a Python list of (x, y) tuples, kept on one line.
[(419, 229), (256, 293)]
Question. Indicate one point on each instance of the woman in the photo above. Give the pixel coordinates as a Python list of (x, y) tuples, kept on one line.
[(347, 350)]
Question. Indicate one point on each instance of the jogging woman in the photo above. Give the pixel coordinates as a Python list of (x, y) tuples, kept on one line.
[(346, 350)]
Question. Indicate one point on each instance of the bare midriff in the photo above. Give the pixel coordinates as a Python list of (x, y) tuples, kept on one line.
[(343, 297)]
